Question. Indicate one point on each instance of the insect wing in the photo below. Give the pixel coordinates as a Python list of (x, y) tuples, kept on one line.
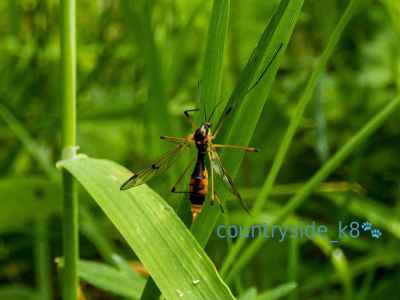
[(216, 164), (157, 167)]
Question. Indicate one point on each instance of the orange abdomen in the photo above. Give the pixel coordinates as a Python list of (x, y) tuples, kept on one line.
[(198, 188)]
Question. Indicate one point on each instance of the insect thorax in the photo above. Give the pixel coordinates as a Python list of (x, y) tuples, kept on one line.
[(201, 137)]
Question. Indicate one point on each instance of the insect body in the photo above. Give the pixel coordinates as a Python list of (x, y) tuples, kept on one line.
[(198, 187), (202, 138)]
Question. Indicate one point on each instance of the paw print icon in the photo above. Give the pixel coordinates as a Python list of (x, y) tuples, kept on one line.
[(376, 233), (366, 226)]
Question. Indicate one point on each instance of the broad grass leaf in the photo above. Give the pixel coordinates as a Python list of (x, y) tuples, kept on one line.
[(172, 256), (111, 279)]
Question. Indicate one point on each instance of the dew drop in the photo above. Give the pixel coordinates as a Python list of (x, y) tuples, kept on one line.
[(196, 281), (180, 294)]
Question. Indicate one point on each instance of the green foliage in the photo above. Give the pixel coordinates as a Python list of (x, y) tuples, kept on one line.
[(164, 245), (37, 199), (275, 36), (276, 293), (323, 117), (17, 292), (110, 279)]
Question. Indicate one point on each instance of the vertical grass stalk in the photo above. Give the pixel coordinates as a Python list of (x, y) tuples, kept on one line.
[(294, 124), (70, 199), (210, 87), (293, 265), (41, 236), (42, 255), (240, 128), (211, 77), (294, 202)]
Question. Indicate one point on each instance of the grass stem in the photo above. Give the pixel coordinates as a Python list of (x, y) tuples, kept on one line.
[(331, 165), (294, 124), (42, 258), (70, 199)]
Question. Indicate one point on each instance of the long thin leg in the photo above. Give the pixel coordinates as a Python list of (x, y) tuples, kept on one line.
[(174, 139), (221, 121), (266, 68), (247, 149), (219, 202), (212, 178), (214, 110), (228, 110), (173, 189), (189, 117)]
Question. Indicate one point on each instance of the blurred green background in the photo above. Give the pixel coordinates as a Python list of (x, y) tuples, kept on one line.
[(121, 64)]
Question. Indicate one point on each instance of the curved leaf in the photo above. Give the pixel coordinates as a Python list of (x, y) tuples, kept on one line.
[(174, 259), (111, 279), (278, 292)]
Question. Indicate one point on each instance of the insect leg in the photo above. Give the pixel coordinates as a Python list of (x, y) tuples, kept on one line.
[(221, 121), (266, 68), (219, 202), (173, 139), (229, 109), (189, 117), (212, 178), (173, 189), (244, 148), (214, 110)]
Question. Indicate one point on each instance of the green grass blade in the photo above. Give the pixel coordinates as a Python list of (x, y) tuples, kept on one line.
[(17, 292), (276, 36), (304, 100), (42, 259), (276, 32), (376, 213), (150, 291), (211, 77), (93, 232), (110, 279), (341, 264), (299, 198), (42, 252), (278, 292), (159, 238), (138, 15), (294, 124), (210, 83), (293, 264), (70, 196), (366, 285), (37, 199), (387, 257), (14, 17), (343, 153), (29, 143), (249, 294)]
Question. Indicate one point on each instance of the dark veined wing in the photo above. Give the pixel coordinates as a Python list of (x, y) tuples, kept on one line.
[(216, 164), (157, 167)]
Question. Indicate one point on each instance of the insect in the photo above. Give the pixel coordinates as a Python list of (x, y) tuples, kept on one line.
[(203, 139)]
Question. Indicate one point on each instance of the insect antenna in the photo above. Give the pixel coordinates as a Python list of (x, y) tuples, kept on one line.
[(229, 109), (214, 109), (266, 68), (198, 97)]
